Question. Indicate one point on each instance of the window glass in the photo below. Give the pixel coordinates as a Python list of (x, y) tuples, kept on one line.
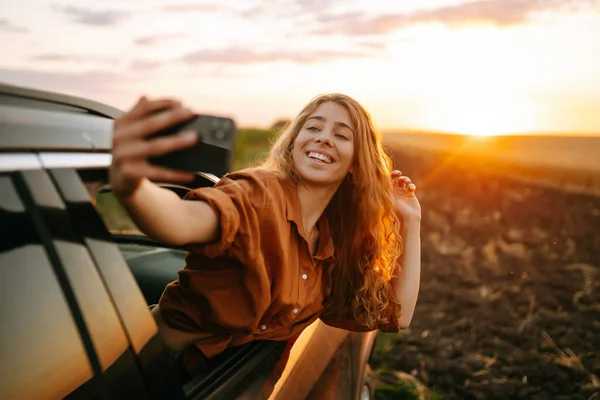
[(89, 291), (37, 332), (114, 215)]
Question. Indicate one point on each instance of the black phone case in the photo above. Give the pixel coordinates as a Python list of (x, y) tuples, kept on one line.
[(213, 152)]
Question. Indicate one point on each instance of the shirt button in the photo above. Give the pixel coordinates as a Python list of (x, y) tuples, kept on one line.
[(263, 327), (304, 276), (295, 311)]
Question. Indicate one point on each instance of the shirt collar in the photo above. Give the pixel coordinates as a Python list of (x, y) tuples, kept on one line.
[(294, 214)]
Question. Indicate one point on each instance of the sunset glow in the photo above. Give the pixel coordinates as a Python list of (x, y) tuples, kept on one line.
[(484, 115), (482, 67)]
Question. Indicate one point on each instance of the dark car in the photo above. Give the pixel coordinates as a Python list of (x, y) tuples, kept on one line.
[(77, 279)]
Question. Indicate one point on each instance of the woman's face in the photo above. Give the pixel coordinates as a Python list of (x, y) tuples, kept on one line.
[(324, 148)]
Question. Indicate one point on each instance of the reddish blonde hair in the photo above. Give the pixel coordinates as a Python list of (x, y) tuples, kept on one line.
[(364, 225)]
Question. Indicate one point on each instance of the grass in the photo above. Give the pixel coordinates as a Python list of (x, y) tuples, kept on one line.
[(391, 384), (252, 146), (399, 385)]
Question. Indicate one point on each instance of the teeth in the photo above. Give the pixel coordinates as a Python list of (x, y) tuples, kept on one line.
[(320, 156)]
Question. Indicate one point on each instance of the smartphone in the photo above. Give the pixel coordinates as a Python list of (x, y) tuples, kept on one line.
[(211, 154)]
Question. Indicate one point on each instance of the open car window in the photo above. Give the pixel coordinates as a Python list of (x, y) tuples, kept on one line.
[(115, 217)]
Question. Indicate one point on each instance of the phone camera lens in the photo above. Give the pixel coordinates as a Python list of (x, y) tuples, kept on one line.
[(216, 124), (220, 134)]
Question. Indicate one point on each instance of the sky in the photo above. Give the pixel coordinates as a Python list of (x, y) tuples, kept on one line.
[(478, 67)]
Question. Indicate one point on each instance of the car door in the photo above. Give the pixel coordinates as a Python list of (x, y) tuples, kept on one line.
[(60, 335), (146, 347)]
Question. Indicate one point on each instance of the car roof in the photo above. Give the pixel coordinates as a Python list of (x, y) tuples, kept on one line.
[(39, 120), (92, 107)]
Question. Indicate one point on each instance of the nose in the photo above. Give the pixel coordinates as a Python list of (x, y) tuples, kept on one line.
[(324, 136)]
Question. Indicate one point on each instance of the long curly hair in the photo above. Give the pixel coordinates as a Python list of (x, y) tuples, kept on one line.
[(364, 226)]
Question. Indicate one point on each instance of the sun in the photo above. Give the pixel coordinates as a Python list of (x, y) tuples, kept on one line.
[(483, 115)]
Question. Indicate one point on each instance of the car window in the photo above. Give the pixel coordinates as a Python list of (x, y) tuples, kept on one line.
[(114, 215), (34, 343)]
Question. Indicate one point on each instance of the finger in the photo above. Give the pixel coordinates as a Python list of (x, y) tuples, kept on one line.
[(406, 187), (142, 169), (160, 174), (142, 149), (150, 125), (407, 183), (405, 192), (402, 181), (395, 173), (145, 107)]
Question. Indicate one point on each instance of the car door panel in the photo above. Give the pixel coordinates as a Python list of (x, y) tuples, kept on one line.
[(361, 347), (155, 365), (111, 358), (309, 358), (35, 341), (120, 284)]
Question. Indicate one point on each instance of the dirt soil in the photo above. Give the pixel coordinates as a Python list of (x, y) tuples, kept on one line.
[(509, 306)]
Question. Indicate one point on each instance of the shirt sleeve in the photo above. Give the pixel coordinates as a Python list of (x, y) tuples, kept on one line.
[(239, 200), (350, 324)]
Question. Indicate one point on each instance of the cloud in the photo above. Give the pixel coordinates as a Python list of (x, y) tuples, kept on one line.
[(289, 9), (63, 57), (93, 17), (147, 65), (58, 57), (377, 45), (238, 55), (86, 83), (501, 13), (313, 5), (191, 7), (152, 40), (7, 26), (493, 12)]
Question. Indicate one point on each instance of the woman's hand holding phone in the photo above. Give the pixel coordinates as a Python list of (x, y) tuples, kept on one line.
[(132, 148)]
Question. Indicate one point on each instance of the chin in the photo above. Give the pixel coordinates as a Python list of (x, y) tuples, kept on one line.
[(319, 179)]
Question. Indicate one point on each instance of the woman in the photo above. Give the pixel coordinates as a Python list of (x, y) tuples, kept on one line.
[(324, 229)]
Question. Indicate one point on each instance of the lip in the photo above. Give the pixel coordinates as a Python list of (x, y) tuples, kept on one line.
[(321, 152)]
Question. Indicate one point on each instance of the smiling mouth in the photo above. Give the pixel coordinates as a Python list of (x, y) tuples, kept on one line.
[(319, 157)]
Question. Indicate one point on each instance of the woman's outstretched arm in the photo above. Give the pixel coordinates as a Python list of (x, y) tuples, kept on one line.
[(165, 217)]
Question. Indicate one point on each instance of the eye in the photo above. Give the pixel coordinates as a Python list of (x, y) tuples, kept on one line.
[(312, 128), (340, 136)]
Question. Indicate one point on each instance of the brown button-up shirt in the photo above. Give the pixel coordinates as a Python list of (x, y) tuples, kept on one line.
[(259, 280)]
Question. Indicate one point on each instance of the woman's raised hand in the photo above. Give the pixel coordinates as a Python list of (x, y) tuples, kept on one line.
[(131, 148), (405, 199)]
